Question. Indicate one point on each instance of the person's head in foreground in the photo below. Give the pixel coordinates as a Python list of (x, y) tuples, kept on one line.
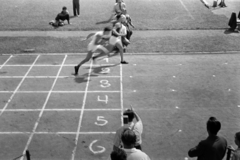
[(237, 139), (128, 138), (118, 155), (213, 126), (107, 32), (130, 114)]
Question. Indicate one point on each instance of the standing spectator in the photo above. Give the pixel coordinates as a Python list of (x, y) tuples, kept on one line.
[(236, 153), (137, 128), (118, 155), (212, 148), (76, 8), (129, 140)]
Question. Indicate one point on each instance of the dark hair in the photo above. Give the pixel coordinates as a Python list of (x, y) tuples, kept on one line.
[(238, 136), (130, 114), (118, 155), (118, 16), (128, 137), (213, 125), (64, 8), (107, 29)]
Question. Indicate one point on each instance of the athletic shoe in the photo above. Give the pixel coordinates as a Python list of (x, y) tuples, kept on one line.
[(76, 70), (124, 62)]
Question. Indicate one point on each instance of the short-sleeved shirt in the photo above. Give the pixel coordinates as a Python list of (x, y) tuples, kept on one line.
[(236, 154), (212, 148), (135, 154), (117, 8)]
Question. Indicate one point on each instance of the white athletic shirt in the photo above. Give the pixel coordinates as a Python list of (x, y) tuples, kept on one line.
[(117, 9), (94, 37)]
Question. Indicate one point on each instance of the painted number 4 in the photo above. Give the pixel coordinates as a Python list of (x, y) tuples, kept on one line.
[(103, 100), (102, 121), (105, 83)]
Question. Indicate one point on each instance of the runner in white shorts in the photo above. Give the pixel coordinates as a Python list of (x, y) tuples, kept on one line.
[(96, 45), (115, 41)]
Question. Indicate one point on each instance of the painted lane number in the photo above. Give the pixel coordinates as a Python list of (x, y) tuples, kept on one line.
[(101, 148), (105, 83), (102, 121)]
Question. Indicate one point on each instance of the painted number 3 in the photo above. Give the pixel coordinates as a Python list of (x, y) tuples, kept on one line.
[(105, 83)]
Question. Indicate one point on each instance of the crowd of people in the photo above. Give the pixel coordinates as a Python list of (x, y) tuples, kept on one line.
[(127, 142)]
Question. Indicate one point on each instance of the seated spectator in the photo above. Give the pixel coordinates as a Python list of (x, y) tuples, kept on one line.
[(136, 127), (129, 140), (61, 17), (212, 148), (236, 153), (118, 155)]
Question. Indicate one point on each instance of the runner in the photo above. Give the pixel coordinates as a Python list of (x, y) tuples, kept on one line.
[(97, 44)]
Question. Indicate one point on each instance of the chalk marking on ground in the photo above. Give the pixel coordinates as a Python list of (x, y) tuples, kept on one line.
[(61, 91), (81, 114), (56, 133), (44, 105), (58, 109), (121, 96), (102, 149), (6, 61), (58, 77), (19, 85), (59, 65), (101, 118), (186, 9)]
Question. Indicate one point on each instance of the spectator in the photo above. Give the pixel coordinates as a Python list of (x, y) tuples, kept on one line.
[(76, 9), (137, 128), (236, 153), (61, 17), (118, 155), (212, 148), (129, 140)]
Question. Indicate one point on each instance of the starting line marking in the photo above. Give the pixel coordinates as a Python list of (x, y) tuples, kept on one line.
[(6, 62), (61, 91), (67, 109), (52, 133), (58, 77)]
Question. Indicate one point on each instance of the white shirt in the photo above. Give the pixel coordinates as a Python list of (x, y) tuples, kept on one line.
[(94, 37), (117, 9), (135, 154)]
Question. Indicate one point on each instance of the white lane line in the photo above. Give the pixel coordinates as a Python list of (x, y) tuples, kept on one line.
[(6, 62), (19, 85), (56, 133), (59, 65), (186, 9), (44, 105), (81, 114), (58, 109), (61, 91), (121, 96), (99, 76)]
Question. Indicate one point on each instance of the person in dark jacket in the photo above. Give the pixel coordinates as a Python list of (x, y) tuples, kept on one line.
[(214, 146), (76, 7)]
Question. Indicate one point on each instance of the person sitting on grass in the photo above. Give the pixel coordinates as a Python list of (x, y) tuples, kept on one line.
[(137, 128), (212, 148), (118, 155), (61, 17), (129, 140)]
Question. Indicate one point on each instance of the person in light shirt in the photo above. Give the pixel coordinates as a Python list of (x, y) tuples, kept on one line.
[(137, 128), (129, 140)]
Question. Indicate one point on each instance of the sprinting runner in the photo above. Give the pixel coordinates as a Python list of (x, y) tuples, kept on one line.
[(115, 41), (96, 45)]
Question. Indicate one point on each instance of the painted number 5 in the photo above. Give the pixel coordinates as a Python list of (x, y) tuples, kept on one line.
[(101, 148), (102, 120), (105, 83)]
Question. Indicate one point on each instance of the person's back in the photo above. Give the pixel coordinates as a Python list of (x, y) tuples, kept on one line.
[(212, 148), (136, 154)]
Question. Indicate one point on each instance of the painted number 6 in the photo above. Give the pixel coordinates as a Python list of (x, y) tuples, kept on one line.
[(105, 83), (102, 149)]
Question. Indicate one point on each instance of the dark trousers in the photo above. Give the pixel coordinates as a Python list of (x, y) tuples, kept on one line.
[(76, 7)]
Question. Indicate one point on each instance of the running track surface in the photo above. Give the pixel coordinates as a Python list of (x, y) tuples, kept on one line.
[(55, 115)]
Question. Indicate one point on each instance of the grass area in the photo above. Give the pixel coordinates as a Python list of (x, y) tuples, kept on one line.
[(146, 14), (141, 43)]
